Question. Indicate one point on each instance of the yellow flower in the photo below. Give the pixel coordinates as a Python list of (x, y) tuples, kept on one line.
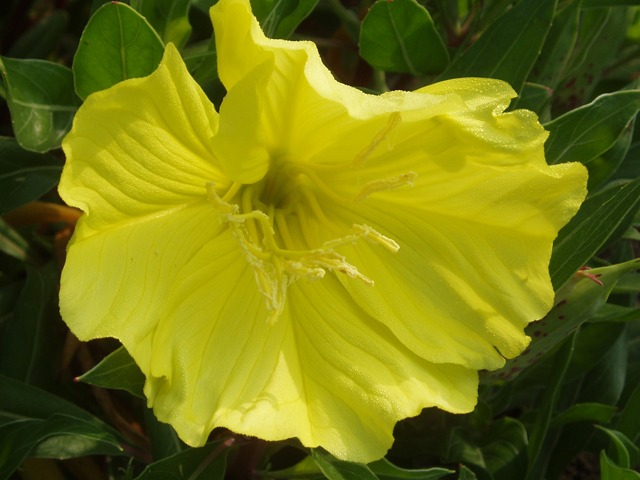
[(312, 262)]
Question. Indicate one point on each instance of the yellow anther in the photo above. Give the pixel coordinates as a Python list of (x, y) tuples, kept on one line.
[(298, 269), (385, 184), (335, 262), (373, 236), (392, 123)]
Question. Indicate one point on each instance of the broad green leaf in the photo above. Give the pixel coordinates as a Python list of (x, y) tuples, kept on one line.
[(581, 412), (628, 284), (623, 451), (504, 449), (557, 47), (117, 370), (338, 470), (385, 470), (591, 24), (533, 97), (280, 18), (549, 399), (604, 166), (169, 18), (27, 342), (610, 471), (598, 220), (117, 44), (508, 49), (65, 436), (595, 342), (41, 100), (586, 132), (400, 36), (40, 40), (204, 463), (24, 176)]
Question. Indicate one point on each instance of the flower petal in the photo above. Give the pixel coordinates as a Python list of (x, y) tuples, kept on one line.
[(475, 235), (141, 146), (325, 372)]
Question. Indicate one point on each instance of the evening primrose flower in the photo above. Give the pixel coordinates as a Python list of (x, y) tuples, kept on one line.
[(313, 261)]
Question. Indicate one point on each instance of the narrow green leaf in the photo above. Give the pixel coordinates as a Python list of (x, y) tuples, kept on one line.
[(581, 412), (508, 49), (616, 313), (204, 463), (164, 439), (609, 3), (466, 474), (605, 165), (586, 132), (26, 344), (400, 36), (169, 18), (629, 420), (24, 176), (624, 452), (591, 228), (591, 24), (385, 470), (40, 40), (557, 47), (65, 437), (12, 243), (41, 100), (280, 18), (117, 370), (117, 44), (549, 399), (610, 471)]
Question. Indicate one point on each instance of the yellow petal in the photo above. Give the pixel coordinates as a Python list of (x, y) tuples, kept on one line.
[(141, 147), (325, 372)]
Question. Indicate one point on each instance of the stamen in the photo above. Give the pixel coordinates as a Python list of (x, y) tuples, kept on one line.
[(363, 155), (247, 207), (317, 209), (232, 191), (333, 261), (385, 184), (217, 202), (372, 236)]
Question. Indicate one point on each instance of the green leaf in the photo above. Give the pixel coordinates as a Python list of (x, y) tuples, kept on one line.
[(164, 439), (27, 342), (624, 452), (338, 470), (65, 437), (533, 97), (581, 412), (616, 313), (549, 399), (40, 40), (602, 33), (117, 370), (400, 36), (12, 243), (557, 47), (466, 474), (597, 221), (280, 18), (169, 18), (24, 176), (117, 44), (611, 471), (41, 100), (204, 463), (586, 132), (508, 49), (604, 166), (385, 470), (609, 3), (504, 449)]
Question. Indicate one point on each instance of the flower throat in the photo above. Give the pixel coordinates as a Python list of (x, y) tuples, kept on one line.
[(277, 222)]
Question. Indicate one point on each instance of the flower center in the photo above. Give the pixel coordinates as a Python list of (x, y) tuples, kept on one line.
[(277, 222)]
